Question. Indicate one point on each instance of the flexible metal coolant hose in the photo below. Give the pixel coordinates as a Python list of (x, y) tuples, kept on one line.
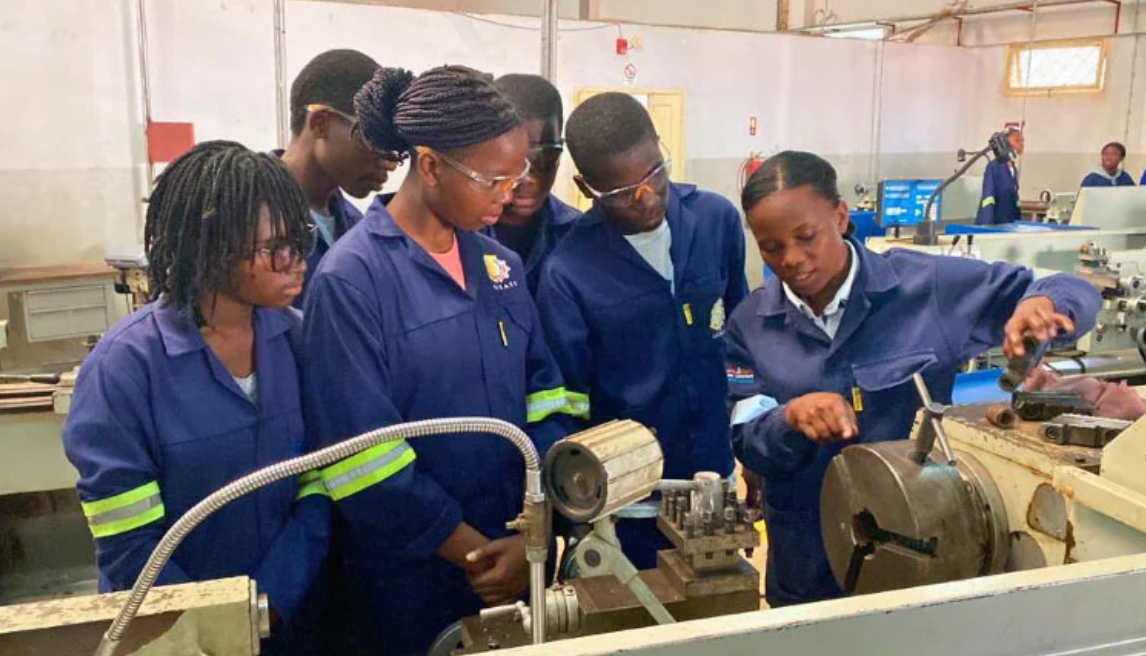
[(297, 466)]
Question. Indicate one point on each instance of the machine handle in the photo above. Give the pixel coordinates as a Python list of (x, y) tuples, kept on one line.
[(932, 427)]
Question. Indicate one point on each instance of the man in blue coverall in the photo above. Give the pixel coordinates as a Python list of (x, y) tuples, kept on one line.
[(633, 300)]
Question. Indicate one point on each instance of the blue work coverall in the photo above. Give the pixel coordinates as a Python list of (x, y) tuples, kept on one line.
[(389, 337), (345, 216), (632, 345), (908, 312), (157, 423), (1000, 201), (555, 219), (1100, 178)]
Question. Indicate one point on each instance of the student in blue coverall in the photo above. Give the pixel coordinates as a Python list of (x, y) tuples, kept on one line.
[(536, 220), (1000, 201), (413, 315), (201, 386), (634, 299), (822, 355), (1111, 173), (324, 156)]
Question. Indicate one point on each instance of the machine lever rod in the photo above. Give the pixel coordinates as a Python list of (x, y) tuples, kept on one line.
[(933, 428)]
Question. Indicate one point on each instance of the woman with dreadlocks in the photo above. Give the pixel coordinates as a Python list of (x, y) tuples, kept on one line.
[(201, 386), (414, 315)]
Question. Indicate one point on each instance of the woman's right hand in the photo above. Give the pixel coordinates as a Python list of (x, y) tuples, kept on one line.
[(458, 546), (822, 417)]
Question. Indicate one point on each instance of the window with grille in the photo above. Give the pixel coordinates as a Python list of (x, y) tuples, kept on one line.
[(1057, 67)]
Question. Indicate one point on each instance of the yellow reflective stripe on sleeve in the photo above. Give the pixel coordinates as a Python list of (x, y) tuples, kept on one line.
[(988, 201), (577, 404), (124, 512), (365, 469), (540, 405), (309, 484)]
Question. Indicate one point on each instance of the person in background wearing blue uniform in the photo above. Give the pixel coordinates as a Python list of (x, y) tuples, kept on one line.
[(324, 156), (1000, 201), (634, 299), (414, 315), (536, 220), (824, 353), (1111, 173), (201, 387)]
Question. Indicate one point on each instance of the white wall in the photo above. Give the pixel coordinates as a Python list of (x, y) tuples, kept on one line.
[(70, 133), (72, 154), (1064, 133)]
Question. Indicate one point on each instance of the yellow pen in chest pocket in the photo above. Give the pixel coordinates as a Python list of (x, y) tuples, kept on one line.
[(857, 399), (501, 329)]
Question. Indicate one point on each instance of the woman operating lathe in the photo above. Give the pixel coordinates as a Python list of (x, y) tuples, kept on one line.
[(823, 354)]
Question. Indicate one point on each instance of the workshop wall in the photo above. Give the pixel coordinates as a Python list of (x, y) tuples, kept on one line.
[(1064, 133), (73, 161), (70, 134)]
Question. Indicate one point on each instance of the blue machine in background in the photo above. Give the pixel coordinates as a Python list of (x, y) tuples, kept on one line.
[(902, 202)]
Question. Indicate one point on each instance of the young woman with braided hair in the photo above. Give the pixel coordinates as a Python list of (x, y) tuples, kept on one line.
[(414, 315), (201, 386)]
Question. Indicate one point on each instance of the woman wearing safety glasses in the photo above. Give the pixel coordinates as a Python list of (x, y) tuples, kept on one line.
[(414, 315), (201, 386), (633, 300)]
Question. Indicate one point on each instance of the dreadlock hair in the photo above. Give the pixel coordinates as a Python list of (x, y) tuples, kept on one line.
[(603, 126), (445, 108), (203, 217), (788, 170), (332, 78), (534, 97)]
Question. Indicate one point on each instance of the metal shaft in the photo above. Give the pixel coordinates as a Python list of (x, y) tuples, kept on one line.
[(537, 601), (549, 13), (331, 454), (935, 417), (281, 115)]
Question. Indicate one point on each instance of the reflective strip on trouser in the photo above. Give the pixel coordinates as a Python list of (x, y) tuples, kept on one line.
[(577, 404), (310, 484), (988, 201), (540, 405), (124, 512), (372, 466)]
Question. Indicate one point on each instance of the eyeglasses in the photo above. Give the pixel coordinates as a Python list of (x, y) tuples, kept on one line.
[(360, 141), (653, 183), (284, 257), (488, 184), (544, 157)]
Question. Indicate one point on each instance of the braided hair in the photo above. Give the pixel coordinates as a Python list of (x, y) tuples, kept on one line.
[(788, 170), (203, 217), (445, 108)]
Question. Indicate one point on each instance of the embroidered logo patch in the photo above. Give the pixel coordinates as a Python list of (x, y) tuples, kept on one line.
[(496, 268), (739, 375), (716, 318)]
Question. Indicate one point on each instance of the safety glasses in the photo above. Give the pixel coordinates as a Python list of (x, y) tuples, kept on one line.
[(655, 182), (488, 184), (359, 140), (284, 257), (544, 157)]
